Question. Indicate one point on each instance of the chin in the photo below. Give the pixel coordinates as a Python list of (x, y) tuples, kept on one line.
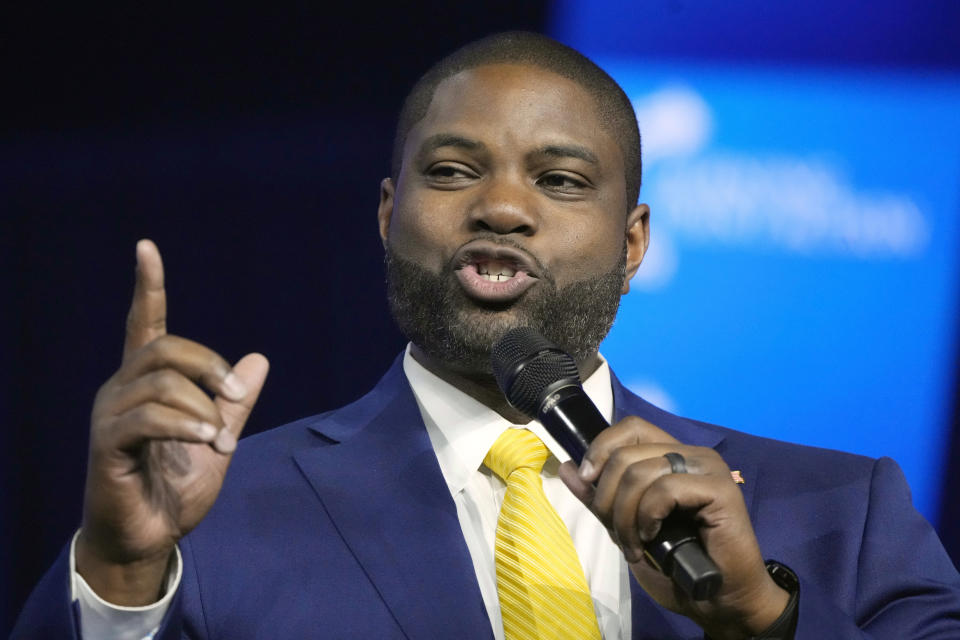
[(463, 343), (459, 332)]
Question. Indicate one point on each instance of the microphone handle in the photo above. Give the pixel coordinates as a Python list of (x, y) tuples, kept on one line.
[(573, 420)]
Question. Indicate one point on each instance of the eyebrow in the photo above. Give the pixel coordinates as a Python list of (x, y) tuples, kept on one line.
[(439, 140), (568, 151)]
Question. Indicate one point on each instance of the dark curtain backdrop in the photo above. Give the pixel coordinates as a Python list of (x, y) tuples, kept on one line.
[(249, 144)]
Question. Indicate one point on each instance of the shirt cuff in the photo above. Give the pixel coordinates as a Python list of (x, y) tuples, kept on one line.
[(102, 620)]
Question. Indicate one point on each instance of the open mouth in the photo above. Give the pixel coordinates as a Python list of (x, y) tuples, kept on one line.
[(489, 272), (495, 271)]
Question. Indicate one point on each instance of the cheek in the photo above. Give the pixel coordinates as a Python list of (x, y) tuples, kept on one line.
[(586, 250), (420, 232)]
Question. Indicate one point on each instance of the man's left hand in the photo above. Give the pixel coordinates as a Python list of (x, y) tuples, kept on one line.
[(628, 484)]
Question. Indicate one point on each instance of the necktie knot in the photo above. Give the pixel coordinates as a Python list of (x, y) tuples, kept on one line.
[(516, 449)]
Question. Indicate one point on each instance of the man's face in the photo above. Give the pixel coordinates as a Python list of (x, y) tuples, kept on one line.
[(509, 210)]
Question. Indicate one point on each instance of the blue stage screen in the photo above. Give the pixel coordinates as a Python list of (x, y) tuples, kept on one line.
[(801, 281)]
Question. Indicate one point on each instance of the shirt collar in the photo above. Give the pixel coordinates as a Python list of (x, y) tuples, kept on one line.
[(463, 429)]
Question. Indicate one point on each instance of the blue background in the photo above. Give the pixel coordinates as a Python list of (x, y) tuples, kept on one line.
[(802, 277)]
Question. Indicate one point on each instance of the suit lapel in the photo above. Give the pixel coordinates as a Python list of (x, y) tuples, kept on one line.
[(384, 492), (686, 431), (626, 403), (649, 619), (382, 488)]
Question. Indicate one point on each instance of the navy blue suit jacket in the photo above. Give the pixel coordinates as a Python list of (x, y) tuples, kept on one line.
[(341, 526)]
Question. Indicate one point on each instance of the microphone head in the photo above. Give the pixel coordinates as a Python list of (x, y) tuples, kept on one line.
[(526, 365)]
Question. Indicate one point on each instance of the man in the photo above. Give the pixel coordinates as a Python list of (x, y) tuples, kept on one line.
[(511, 203)]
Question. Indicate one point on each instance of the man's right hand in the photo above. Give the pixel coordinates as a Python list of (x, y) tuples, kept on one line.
[(159, 445)]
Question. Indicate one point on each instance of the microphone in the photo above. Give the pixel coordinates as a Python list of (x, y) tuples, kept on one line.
[(541, 380)]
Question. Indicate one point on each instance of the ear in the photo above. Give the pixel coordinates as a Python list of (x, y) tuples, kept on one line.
[(385, 209), (638, 239)]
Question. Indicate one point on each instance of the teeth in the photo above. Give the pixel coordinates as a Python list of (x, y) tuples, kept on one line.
[(495, 271)]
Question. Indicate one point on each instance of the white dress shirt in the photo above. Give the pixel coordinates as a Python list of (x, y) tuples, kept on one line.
[(461, 430)]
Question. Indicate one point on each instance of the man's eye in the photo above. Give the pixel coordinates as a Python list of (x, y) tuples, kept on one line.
[(449, 173), (562, 182)]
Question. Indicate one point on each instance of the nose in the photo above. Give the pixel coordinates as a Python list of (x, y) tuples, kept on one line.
[(504, 205)]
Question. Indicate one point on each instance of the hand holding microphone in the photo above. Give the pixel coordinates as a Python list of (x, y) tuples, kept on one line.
[(653, 511), (542, 381)]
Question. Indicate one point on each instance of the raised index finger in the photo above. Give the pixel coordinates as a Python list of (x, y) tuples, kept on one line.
[(147, 319)]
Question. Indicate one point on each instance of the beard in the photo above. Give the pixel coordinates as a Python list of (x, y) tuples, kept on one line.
[(433, 312)]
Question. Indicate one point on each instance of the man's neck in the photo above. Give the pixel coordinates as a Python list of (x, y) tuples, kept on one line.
[(482, 387)]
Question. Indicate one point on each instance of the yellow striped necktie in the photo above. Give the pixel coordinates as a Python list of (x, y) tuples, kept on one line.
[(543, 592)]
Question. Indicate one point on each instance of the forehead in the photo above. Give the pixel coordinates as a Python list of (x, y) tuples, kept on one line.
[(514, 103)]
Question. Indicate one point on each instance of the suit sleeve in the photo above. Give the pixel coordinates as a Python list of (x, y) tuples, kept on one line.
[(51, 611), (907, 586)]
